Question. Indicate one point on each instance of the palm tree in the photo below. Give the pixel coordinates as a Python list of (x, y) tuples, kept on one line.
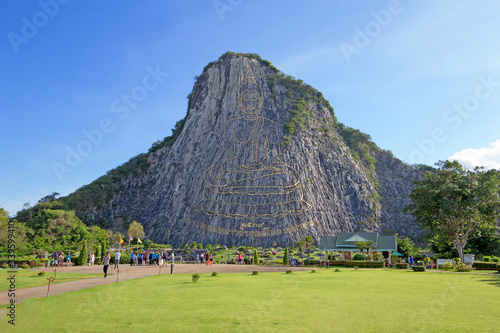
[(370, 245), (361, 245)]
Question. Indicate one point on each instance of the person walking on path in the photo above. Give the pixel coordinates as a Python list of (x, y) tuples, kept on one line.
[(131, 258), (411, 261), (68, 259), (61, 259), (92, 259), (117, 259), (105, 262)]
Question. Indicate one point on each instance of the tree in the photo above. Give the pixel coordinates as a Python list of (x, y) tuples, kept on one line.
[(82, 258), (285, 257), (405, 246), (136, 230), (104, 250), (255, 257), (454, 203), (193, 245), (370, 245), (48, 198), (27, 207), (308, 240), (300, 244), (361, 245)]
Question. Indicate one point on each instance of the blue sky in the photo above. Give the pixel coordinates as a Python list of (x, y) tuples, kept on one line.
[(421, 77)]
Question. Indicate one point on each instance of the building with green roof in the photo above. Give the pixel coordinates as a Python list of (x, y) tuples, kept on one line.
[(345, 242)]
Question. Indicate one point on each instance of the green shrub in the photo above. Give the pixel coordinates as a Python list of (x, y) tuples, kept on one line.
[(24, 265), (352, 263), (285, 257), (309, 262), (255, 257), (82, 258), (495, 260), (5, 265), (356, 268), (486, 259), (461, 267), (195, 277), (418, 268), (484, 265), (456, 260), (313, 271), (358, 256), (498, 268), (214, 273), (337, 270), (41, 273), (402, 266), (447, 266), (255, 273), (289, 271)]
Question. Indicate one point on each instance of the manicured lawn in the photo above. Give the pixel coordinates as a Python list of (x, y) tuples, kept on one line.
[(325, 301), (28, 279)]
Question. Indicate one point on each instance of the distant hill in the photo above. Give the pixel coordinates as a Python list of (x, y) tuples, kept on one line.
[(259, 157)]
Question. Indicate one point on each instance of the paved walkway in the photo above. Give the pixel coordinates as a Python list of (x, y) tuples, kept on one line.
[(127, 272)]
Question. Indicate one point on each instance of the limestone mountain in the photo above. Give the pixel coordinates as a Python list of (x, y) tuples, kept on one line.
[(259, 157)]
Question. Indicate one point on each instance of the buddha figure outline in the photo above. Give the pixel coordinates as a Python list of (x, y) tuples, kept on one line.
[(248, 180)]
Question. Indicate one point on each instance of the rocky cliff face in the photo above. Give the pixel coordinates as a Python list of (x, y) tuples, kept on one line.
[(259, 159)]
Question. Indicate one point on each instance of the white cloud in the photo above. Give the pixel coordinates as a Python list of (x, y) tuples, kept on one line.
[(488, 157)]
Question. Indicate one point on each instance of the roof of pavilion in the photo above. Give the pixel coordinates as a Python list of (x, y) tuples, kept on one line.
[(346, 241)]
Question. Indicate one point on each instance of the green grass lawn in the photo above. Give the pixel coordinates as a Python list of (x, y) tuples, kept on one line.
[(28, 279), (325, 301)]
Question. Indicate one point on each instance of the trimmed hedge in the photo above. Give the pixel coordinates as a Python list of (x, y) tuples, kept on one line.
[(358, 263), (309, 262), (485, 265), (36, 262), (402, 266), (418, 268)]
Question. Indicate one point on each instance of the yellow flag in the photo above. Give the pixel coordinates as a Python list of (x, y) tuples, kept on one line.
[(121, 240), (139, 240)]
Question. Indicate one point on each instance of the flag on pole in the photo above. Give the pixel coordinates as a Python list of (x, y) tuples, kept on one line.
[(130, 237), (139, 240), (121, 240)]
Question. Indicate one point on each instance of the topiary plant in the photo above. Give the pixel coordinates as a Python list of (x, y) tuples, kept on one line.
[(195, 277)]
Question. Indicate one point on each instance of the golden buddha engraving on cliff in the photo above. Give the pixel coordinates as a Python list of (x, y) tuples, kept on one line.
[(248, 180)]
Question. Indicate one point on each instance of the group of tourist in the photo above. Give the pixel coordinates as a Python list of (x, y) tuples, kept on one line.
[(151, 258), (204, 258), (60, 259)]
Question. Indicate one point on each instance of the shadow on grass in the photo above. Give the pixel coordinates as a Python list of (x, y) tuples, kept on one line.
[(493, 279)]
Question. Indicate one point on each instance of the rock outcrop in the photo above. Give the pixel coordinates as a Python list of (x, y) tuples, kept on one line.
[(258, 158)]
